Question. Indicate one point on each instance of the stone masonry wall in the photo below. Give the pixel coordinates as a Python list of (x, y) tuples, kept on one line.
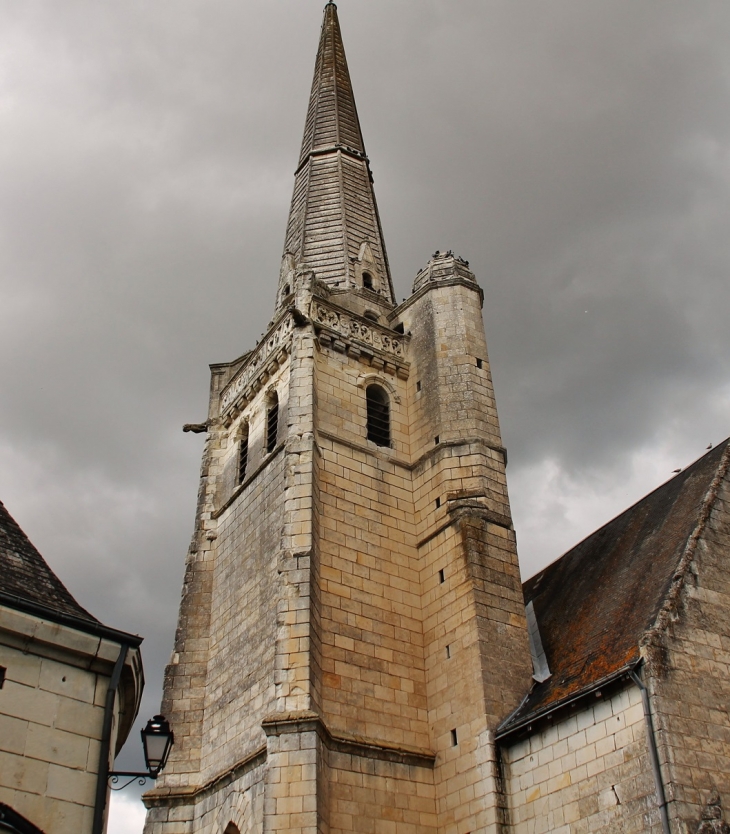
[(240, 687), (239, 801), (240, 673), (372, 648), (691, 679), (51, 718), (589, 772), (49, 741), (476, 651), (367, 795)]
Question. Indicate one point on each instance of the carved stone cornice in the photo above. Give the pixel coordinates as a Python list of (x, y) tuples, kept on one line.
[(270, 352), (360, 338)]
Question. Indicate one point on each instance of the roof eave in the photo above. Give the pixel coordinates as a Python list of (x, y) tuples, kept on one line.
[(507, 729)]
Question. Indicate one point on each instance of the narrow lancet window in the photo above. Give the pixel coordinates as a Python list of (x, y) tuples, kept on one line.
[(243, 454), (367, 280), (272, 422), (378, 406)]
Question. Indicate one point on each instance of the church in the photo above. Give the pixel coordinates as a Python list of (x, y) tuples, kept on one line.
[(355, 649)]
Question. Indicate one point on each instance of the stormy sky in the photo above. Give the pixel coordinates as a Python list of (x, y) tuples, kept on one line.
[(576, 152)]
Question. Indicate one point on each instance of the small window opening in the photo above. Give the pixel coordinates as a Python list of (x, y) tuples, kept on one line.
[(378, 411), (479, 364), (231, 828), (448, 652), (418, 385), (400, 328), (371, 316), (243, 455), (367, 280), (272, 423), (442, 576), (436, 440), (3, 670), (287, 290), (454, 739), (438, 503)]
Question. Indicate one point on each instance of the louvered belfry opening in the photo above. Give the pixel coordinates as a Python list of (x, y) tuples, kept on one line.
[(272, 422), (243, 455), (378, 405)]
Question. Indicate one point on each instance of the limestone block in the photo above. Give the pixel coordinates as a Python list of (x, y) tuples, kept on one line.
[(29, 704), (71, 785), (61, 679), (56, 746), (23, 774), (13, 732), (21, 667), (79, 717)]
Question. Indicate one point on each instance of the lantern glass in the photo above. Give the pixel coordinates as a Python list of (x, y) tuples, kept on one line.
[(157, 739)]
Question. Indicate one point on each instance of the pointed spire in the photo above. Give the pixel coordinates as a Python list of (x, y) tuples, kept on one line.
[(334, 226), (332, 116)]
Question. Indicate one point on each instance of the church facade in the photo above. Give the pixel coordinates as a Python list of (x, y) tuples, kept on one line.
[(355, 650)]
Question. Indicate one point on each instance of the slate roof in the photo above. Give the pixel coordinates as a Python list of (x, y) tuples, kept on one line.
[(25, 574), (594, 604), (333, 210)]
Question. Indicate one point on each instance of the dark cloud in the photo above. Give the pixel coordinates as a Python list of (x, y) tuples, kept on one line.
[(577, 152)]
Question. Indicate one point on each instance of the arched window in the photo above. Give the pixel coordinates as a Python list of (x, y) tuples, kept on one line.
[(231, 828), (378, 406), (243, 454), (367, 280), (272, 422), (287, 290)]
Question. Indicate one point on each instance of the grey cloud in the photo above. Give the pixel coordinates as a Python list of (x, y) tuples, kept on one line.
[(575, 151)]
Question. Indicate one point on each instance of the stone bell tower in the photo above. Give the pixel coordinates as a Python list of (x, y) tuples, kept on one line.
[(352, 625)]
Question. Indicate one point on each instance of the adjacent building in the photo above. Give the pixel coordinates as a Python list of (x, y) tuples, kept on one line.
[(70, 689)]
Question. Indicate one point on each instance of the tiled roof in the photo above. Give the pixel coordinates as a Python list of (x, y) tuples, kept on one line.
[(594, 604), (333, 210), (25, 574)]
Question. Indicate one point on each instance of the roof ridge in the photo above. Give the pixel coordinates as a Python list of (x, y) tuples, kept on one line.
[(651, 643)]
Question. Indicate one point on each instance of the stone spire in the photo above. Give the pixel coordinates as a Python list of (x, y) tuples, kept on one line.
[(334, 226)]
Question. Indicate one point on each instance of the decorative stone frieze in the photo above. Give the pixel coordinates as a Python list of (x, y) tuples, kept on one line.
[(366, 341), (352, 328), (263, 361)]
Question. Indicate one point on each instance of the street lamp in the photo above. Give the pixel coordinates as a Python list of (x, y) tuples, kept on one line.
[(157, 741)]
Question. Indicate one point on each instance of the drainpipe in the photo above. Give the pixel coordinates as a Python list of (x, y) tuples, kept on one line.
[(653, 753), (106, 735)]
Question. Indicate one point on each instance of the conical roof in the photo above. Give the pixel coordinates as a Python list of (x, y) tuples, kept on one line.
[(333, 221)]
